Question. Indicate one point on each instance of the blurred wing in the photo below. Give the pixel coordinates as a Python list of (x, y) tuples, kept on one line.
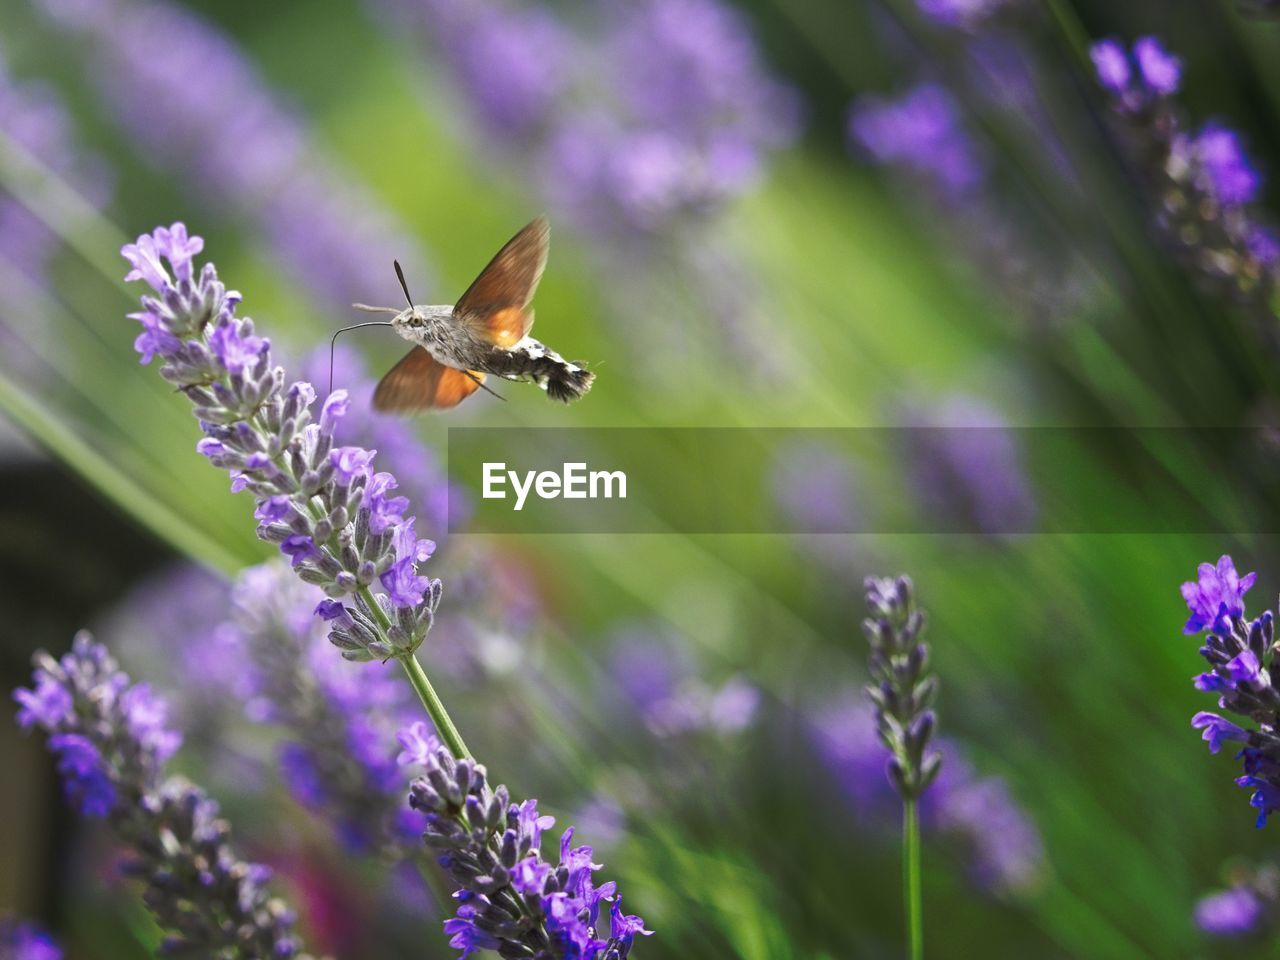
[(420, 382), (496, 305)]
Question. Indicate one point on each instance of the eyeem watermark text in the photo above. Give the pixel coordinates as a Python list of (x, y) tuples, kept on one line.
[(573, 482)]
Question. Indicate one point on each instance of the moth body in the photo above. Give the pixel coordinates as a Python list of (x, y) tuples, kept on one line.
[(456, 345)]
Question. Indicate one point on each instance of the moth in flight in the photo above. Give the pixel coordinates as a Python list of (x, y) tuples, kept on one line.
[(485, 332)]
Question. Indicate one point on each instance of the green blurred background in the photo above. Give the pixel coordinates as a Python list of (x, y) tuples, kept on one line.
[(856, 298)]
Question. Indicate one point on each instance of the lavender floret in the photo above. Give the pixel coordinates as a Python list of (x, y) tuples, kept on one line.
[(111, 739)]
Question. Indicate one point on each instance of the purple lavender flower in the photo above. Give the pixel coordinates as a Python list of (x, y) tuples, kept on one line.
[(24, 941), (814, 486), (1227, 175), (510, 899), (966, 14), (333, 527), (36, 123), (966, 468), (670, 701), (1157, 72), (1203, 187), (1160, 70), (1230, 913), (420, 474), (1112, 65), (339, 722), (672, 112), (922, 132), (1003, 846), (903, 690), (1246, 908), (1243, 671), (1218, 592), (197, 107), (111, 748), (263, 434)]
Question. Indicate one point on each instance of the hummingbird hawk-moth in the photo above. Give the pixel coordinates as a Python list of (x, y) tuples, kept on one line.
[(485, 332)]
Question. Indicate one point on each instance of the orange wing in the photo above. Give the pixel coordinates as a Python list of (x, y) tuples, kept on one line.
[(496, 305), (420, 382)]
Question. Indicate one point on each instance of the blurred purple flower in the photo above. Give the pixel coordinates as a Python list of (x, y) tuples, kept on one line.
[(921, 132), (34, 119), (1158, 72), (960, 13), (36, 123), (1203, 188), (1006, 853), (814, 488), (24, 941), (1229, 913), (1161, 71), (667, 698), (338, 721), (649, 113), (198, 108), (1227, 174), (965, 467), (1112, 65)]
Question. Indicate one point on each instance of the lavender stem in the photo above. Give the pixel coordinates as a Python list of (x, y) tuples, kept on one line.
[(911, 879), (435, 707)]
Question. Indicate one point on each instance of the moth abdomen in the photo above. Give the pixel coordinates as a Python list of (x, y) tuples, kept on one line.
[(535, 361)]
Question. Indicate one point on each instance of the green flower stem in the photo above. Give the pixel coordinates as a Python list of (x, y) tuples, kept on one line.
[(426, 692), (911, 879)]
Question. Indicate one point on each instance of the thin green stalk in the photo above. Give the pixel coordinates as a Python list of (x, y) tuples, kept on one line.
[(426, 692), (911, 880), (439, 716)]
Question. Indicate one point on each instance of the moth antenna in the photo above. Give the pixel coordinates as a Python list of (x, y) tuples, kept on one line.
[(480, 383), (333, 341), (368, 309), (403, 286)]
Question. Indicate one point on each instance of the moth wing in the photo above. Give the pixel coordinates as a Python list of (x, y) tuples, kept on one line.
[(420, 382), (496, 305)]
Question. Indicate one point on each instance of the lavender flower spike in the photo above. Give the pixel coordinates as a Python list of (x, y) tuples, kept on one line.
[(336, 518), (112, 742), (1243, 672), (1202, 185), (903, 690), (510, 899), (346, 531)]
